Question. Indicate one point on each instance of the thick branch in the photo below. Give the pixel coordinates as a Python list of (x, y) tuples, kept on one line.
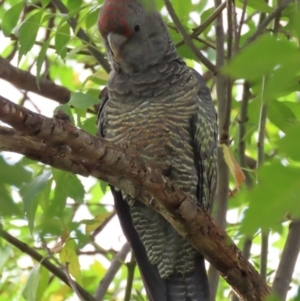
[(26, 81), (125, 170)]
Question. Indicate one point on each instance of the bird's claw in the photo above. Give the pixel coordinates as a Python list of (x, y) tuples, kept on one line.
[(151, 201)]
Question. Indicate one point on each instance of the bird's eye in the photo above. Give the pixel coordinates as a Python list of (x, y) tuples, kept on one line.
[(137, 27)]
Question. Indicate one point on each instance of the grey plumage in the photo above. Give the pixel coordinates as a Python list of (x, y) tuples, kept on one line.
[(165, 112)]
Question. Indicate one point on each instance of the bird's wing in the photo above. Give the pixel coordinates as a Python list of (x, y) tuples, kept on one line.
[(205, 135)]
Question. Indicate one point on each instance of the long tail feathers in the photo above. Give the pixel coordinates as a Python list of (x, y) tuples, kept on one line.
[(178, 287)]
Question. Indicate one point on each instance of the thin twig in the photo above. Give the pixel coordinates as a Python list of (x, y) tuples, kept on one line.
[(199, 29), (44, 262), (284, 273), (263, 25), (83, 36), (72, 282), (221, 201), (130, 277), (239, 30), (115, 265), (189, 42), (242, 133), (264, 254)]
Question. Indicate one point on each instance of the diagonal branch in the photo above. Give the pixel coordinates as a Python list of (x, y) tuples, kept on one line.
[(27, 81), (188, 40), (66, 147), (111, 272), (80, 33), (284, 273), (44, 262), (199, 29), (263, 25)]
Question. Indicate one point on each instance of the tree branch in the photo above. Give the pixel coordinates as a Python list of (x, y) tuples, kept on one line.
[(263, 25), (26, 81), (115, 265), (242, 133), (188, 40), (83, 36), (66, 147), (224, 109), (198, 30), (284, 273), (44, 262)]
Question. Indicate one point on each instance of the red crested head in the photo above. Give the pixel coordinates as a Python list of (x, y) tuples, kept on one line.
[(113, 18)]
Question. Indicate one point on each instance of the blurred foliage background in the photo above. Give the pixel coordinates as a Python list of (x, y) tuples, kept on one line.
[(71, 219)]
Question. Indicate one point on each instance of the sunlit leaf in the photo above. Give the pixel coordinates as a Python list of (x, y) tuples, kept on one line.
[(233, 166), (5, 254), (290, 143), (43, 283), (276, 194), (81, 100), (281, 115), (91, 19), (30, 192), (28, 32), (62, 38), (30, 290), (93, 224), (69, 257), (11, 17), (258, 58), (41, 59)]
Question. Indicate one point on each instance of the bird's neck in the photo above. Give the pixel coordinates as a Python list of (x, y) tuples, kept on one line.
[(154, 81)]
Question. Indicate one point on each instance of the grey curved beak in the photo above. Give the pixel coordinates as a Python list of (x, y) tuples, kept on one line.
[(116, 42)]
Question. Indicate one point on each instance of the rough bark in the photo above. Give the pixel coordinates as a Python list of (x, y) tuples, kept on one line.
[(58, 143)]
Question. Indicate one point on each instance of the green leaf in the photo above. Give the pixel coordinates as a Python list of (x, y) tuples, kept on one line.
[(290, 143), (81, 101), (30, 290), (91, 18), (277, 191), (28, 32), (93, 224), (69, 256), (11, 17), (62, 38), (30, 192), (41, 59), (45, 2), (89, 125), (281, 115), (43, 283), (74, 4), (14, 174), (258, 59), (5, 254), (260, 5), (67, 185), (8, 206)]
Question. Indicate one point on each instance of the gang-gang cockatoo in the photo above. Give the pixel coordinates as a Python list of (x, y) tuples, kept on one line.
[(162, 109)]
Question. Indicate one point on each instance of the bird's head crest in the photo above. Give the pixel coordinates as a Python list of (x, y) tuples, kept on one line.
[(115, 15)]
